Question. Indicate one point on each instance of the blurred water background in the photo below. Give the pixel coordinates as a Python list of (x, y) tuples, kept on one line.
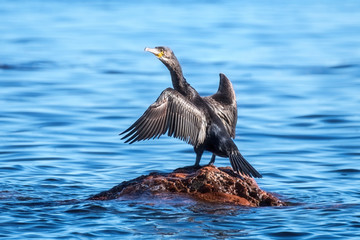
[(73, 74)]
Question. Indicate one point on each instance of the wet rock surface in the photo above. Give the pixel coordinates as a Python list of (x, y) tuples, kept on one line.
[(208, 184)]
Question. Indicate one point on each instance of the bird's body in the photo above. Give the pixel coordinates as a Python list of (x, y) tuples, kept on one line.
[(207, 123)]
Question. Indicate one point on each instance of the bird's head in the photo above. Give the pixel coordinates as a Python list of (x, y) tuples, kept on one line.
[(164, 54)]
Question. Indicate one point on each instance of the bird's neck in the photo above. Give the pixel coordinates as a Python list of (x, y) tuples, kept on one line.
[(178, 80)]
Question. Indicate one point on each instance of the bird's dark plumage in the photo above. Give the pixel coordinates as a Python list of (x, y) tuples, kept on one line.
[(207, 123), (171, 113)]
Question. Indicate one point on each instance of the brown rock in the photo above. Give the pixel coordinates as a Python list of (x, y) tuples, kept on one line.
[(208, 184)]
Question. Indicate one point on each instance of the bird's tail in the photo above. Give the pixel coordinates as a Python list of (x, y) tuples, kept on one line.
[(240, 165)]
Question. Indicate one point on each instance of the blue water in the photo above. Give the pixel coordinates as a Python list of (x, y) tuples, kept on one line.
[(73, 74)]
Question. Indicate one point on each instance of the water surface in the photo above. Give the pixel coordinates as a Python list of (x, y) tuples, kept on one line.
[(73, 75)]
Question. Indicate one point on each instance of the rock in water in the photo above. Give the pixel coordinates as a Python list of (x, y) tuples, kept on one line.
[(208, 184)]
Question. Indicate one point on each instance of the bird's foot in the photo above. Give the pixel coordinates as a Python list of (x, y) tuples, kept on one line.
[(196, 166), (212, 161), (188, 169)]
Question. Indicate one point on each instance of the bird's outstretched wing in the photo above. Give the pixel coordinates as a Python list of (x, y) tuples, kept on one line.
[(171, 113), (223, 103)]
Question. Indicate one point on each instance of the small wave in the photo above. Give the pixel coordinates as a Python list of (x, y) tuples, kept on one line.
[(6, 66), (347, 170), (29, 66), (317, 116), (343, 66), (288, 234)]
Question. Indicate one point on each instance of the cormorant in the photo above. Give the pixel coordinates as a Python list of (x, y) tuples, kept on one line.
[(207, 123)]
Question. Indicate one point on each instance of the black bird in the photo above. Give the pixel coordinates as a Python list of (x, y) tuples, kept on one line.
[(207, 123)]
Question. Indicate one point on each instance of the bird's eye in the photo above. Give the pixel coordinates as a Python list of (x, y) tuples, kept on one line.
[(161, 53)]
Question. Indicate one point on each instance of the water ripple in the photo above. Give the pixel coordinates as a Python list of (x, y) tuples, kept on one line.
[(69, 83), (29, 66)]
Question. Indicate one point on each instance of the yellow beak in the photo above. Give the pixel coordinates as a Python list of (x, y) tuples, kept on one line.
[(154, 51)]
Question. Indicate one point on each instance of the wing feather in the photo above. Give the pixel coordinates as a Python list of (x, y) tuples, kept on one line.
[(171, 113), (158, 128), (223, 103)]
